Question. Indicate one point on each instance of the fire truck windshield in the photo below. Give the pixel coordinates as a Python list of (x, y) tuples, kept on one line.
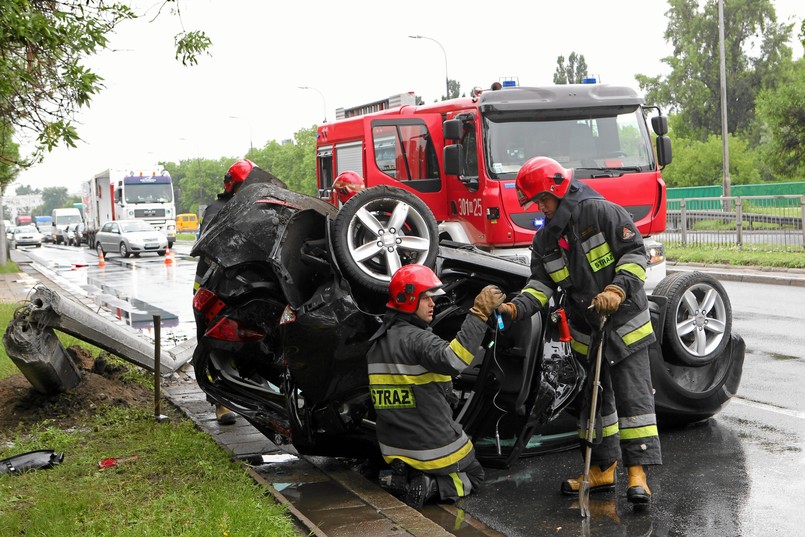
[(149, 193), (593, 146)]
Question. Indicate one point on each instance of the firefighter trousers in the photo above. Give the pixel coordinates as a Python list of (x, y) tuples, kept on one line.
[(457, 485), (626, 411)]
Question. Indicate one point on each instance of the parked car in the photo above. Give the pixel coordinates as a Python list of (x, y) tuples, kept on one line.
[(58, 235), (25, 236), (76, 235), (69, 233), (291, 271), (130, 237)]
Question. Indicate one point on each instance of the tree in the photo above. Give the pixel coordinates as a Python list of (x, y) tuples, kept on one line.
[(24, 190), (9, 154), (698, 162), (52, 198), (756, 51), (781, 114), (573, 73), (42, 50), (292, 162)]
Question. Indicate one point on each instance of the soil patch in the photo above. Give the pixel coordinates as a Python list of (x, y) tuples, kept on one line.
[(101, 384)]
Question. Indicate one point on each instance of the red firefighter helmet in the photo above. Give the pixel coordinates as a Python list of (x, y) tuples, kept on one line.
[(541, 174), (237, 173), (346, 185), (409, 284)]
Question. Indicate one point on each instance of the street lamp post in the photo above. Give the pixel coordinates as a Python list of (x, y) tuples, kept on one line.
[(446, 78), (251, 147), (324, 102)]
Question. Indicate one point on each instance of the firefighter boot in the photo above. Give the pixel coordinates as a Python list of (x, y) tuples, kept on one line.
[(395, 479), (224, 415), (600, 480), (421, 488), (638, 492)]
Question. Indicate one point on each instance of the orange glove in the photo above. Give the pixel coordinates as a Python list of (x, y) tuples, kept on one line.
[(487, 300), (609, 300)]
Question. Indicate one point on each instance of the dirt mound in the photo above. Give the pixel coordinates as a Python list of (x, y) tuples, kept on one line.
[(101, 384)]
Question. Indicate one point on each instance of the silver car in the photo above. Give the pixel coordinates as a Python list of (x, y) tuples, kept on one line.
[(25, 236), (130, 237)]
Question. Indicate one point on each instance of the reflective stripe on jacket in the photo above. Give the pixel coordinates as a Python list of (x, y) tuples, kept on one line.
[(588, 244), (410, 380)]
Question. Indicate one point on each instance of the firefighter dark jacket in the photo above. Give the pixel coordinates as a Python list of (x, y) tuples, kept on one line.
[(210, 213), (588, 244), (410, 379)]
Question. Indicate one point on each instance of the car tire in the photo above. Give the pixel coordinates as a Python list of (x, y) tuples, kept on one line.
[(99, 249), (124, 251), (380, 230), (693, 383), (161, 253), (698, 318)]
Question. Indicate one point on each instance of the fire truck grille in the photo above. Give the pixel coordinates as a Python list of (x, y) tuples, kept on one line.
[(145, 213)]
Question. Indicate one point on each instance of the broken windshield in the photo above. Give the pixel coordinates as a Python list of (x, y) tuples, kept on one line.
[(594, 146)]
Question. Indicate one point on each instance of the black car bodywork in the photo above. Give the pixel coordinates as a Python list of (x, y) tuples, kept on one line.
[(283, 333)]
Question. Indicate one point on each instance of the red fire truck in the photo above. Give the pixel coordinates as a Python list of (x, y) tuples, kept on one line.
[(461, 157)]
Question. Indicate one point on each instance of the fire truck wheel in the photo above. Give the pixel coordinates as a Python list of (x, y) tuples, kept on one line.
[(380, 230), (698, 317)]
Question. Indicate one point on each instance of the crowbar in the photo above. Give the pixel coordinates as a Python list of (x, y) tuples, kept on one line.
[(584, 487)]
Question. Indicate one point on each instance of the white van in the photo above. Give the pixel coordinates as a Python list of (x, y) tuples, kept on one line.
[(61, 219)]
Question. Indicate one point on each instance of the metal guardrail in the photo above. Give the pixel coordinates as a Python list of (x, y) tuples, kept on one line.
[(749, 222)]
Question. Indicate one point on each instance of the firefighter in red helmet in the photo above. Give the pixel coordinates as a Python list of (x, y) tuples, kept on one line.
[(346, 185), (591, 248), (410, 379), (233, 180)]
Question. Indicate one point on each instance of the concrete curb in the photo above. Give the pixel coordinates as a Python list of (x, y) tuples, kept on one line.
[(765, 275)]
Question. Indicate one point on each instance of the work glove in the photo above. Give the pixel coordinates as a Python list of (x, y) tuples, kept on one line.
[(487, 300), (508, 314), (609, 300)]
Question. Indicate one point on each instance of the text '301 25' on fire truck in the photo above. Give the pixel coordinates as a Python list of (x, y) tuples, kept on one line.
[(461, 157)]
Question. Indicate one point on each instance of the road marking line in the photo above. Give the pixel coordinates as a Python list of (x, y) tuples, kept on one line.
[(770, 408)]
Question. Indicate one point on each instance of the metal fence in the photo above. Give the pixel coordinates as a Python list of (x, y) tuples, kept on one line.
[(749, 222)]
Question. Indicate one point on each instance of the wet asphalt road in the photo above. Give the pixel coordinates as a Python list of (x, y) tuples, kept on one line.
[(737, 474)]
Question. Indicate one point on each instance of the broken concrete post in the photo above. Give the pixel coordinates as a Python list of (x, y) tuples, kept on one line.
[(39, 355), (59, 312)]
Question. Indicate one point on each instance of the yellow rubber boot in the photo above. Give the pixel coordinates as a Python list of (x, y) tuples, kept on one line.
[(600, 480), (224, 416), (638, 492)]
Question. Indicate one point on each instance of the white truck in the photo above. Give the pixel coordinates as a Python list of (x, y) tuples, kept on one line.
[(115, 194), (60, 219)]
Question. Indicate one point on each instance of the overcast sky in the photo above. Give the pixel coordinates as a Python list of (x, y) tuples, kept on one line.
[(154, 109)]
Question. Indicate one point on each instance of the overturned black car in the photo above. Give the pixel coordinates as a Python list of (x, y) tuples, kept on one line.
[(296, 287)]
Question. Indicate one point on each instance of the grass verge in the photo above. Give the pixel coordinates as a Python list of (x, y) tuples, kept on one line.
[(182, 483), (735, 256), (9, 268)]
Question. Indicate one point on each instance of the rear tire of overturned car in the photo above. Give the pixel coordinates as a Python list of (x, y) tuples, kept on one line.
[(698, 318), (380, 230), (697, 368)]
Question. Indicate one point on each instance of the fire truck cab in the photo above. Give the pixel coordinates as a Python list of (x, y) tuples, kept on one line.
[(461, 157)]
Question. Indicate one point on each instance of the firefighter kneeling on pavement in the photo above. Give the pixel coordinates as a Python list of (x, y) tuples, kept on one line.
[(410, 379), (591, 249)]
